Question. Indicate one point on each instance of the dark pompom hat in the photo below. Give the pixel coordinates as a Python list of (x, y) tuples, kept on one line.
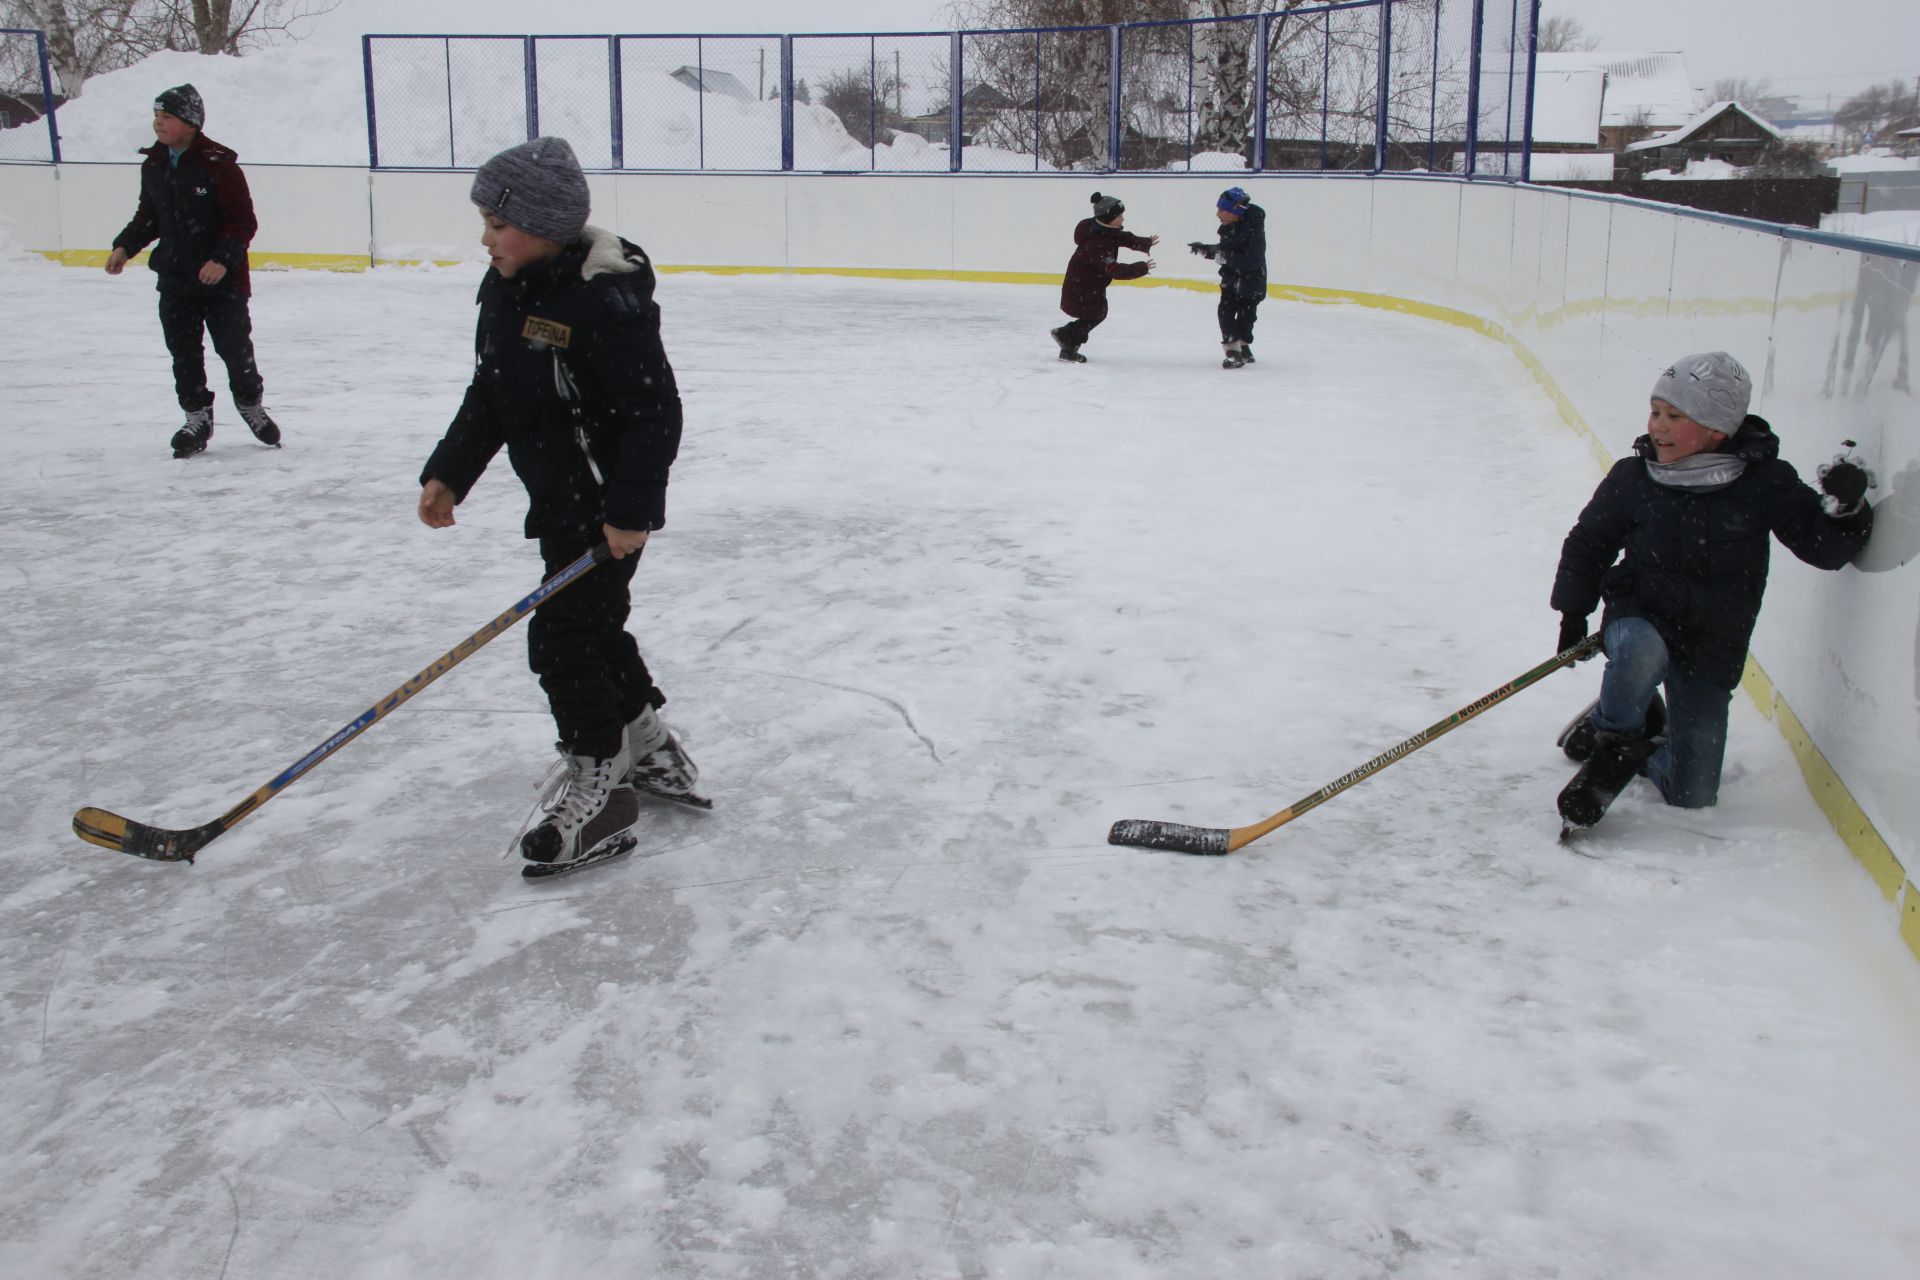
[(1107, 208), (183, 103)]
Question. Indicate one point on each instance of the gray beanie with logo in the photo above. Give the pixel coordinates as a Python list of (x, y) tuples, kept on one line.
[(1711, 388), (537, 187)]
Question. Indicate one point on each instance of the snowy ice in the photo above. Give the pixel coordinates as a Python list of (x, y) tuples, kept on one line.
[(933, 609)]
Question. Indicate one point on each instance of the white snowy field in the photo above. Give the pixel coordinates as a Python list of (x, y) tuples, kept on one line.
[(933, 609)]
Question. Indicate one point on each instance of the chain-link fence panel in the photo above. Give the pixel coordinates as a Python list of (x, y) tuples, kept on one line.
[(999, 97), (1506, 36), (573, 95), (700, 102), (1432, 59), (446, 101), (877, 102), (1323, 81), (26, 85), (1187, 94)]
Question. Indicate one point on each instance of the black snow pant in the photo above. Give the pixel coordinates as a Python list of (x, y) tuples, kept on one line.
[(1237, 312), (577, 643), (182, 316), (1077, 331)]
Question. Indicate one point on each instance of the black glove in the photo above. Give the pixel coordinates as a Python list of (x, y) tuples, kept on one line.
[(1573, 629), (1204, 250), (1846, 483)]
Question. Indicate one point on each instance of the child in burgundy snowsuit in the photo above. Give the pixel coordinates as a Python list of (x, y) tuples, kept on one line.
[(1095, 263), (194, 201)]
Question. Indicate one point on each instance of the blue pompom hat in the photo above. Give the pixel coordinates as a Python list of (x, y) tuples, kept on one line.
[(1233, 200)]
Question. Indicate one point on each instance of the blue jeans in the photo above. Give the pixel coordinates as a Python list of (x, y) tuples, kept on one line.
[(1686, 768)]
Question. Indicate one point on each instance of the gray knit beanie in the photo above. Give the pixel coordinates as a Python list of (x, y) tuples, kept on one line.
[(537, 187), (1711, 388), (183, 103)]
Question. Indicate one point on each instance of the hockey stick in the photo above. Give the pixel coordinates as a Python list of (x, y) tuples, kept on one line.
[(111, 831), (1144, 833)]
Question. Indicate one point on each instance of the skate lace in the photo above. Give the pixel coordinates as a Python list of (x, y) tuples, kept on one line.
[(582, 791)]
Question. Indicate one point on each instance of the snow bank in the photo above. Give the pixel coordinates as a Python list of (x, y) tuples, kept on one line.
[(299, 104)]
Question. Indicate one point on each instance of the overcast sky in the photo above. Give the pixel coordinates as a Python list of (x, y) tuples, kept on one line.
[(1805, 48)]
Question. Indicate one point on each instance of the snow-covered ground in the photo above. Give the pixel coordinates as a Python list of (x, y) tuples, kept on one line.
[(933, 610)]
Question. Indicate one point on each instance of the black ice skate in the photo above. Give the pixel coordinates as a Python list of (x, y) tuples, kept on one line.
[(593, 818), (1616, 758), (1069, 350), (264, 428), (1235, 355), (662, 769), (192, 437), (1576, 740)]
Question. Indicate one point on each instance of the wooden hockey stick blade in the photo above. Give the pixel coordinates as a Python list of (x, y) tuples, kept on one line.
[(1176, 837), (124, 835), (159, 844)]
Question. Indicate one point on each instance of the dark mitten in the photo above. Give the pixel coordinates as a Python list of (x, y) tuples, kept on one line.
[(1846, 484), (1204, 250), (1573, 629)]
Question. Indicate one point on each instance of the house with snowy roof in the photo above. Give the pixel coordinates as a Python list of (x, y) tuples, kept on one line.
[(1725, 131), (1641, 93)]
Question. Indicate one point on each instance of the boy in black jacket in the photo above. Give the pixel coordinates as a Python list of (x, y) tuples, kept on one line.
[(1242, 255), (571, 377), (194, 200), (1692, 512)]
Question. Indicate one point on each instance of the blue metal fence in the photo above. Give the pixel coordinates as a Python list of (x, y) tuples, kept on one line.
[(23, 53), (1358, 85)]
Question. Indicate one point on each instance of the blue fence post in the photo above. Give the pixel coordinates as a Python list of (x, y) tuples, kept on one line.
[(1470, 164), (1384, 87), (1113, 98), (533, 89), (1533, 58), (1262, 34), (46, 96), (1036, 102), (617, 107), (873, 103), (446, 54), (700, 98), (956, 103), (373, 132), (786, 103), (1433, 86)]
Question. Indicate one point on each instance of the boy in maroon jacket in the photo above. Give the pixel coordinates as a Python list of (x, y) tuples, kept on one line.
[(1083, 294), (194, 200)]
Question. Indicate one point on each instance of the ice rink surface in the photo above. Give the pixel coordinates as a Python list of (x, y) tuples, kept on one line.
[(932, 609)]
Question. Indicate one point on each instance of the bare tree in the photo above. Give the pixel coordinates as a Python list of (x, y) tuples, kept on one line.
[(1877, 112), (1565, 35), (84, 38), (234, 26), (1756, 96), (87, 38)]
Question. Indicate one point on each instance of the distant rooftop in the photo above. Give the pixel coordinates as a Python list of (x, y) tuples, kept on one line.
[(1675, 136), (1649, 88)]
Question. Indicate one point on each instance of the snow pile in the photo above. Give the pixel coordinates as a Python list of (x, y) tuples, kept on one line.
[(1699, 170), (299, 104), (1872, 160), (307, 104)]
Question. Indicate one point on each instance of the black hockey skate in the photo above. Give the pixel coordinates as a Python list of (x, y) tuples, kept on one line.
[(1616, 758), (193, 435), (264, 428), (592, 819), (1576, 740), (1069, 350), (662, 769), (1235, 355)]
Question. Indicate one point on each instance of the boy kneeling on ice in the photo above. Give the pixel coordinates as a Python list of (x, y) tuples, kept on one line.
[(1688, 518)]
